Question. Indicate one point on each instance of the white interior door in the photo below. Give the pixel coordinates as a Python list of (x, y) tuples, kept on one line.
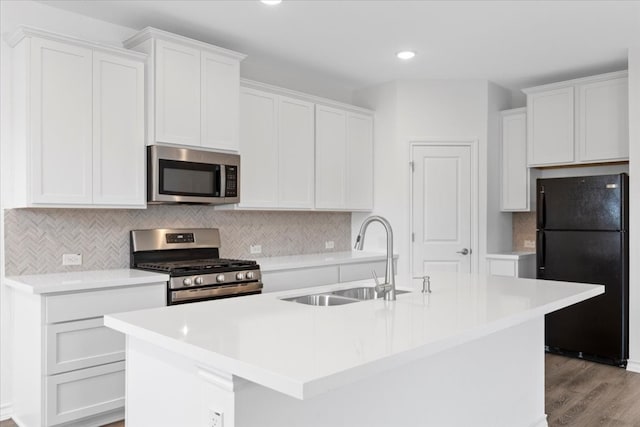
[(442, 208)]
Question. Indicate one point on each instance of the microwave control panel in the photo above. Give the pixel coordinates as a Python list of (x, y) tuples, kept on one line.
[(231, 181)]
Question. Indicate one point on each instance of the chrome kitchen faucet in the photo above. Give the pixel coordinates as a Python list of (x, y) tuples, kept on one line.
[(389, 285)]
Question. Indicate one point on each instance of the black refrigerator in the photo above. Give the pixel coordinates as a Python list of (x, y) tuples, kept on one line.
[(582, 236)]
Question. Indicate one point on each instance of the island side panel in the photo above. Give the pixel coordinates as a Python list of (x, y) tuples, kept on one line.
[(497, 380), (494, 380), (165, 389)]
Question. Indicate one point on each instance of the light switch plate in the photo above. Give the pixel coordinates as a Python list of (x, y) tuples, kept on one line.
[(255, 249), (530, 244), (329, 244)]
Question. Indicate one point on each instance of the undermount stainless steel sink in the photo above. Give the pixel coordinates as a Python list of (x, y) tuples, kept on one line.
[(340, 297), (321, 300), (363, 293)]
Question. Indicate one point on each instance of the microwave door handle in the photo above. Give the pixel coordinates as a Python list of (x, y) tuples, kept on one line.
[(222, 181)]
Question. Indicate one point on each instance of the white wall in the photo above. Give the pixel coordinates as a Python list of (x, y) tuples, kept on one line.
[(447, 110), (499, 225), (634, 197)]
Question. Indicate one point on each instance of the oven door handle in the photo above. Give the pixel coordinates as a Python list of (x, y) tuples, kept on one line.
[(213, 292)]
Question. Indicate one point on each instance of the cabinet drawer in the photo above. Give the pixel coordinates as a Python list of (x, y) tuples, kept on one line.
[(503, 268), (85, 305), (351, 272), (302, 278), (82, 344), (83, 393)]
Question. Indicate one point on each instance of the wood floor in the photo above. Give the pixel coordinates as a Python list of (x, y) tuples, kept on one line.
[(577, 394), (580, 393)]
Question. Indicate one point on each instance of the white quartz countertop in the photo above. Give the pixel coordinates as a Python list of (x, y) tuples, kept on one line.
[(515, 255), (303, 350), (82, 280), (318, 260)]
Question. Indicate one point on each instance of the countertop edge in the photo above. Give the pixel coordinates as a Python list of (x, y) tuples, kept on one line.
[(75, 282)]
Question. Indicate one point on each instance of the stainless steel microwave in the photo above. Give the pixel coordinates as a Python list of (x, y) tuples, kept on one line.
[(186, 175)]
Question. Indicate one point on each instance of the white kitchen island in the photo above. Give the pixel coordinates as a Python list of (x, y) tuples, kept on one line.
[(469, 354)]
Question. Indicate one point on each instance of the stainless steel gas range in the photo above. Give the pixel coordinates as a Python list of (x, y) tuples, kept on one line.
[(191, 258)]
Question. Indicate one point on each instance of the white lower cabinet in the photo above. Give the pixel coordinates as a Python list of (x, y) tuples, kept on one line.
[(285, 280), (521, 265), (298, 278), (69, 368), (83, 393), (81, 344)]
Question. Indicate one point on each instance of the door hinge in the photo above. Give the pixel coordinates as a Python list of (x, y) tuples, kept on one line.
[(412, 165), (413, 237)]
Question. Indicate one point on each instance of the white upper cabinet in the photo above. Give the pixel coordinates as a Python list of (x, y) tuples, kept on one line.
[(259, 149), (118, 119), (603, 120), (177, 90), (193, 90), (295, 153), (579, 121), (276, 144), (551, 127), (331, 158), (517, 180), (301, 152), (344, 159), (79, 123), (60, 122), (359, 162), (220, 102)]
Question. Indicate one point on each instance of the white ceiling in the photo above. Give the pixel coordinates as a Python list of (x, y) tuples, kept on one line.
[(512, 43)]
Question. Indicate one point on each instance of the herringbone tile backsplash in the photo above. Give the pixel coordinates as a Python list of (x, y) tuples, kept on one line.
[(35, 239)]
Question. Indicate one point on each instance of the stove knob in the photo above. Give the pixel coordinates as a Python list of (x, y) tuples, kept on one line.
[(187, 281), (250, 275), (239, 276), (220, 278), (199, 280)]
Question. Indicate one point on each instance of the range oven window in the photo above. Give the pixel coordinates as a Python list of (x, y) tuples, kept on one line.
[(180, 178)]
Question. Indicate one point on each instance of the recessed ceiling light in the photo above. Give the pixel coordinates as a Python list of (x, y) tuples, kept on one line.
[(406, 54), (271, 2)]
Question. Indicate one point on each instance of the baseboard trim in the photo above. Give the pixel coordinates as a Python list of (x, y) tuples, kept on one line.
[(542, 422), (6, 410), (633, 365)]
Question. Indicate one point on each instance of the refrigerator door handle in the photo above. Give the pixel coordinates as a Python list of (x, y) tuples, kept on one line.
[(540, 250), (541, 211)]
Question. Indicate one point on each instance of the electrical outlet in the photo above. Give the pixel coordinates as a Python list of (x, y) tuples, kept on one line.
[(215, 418), (329, 244), (71, 259), (255, 249), (531, 244)]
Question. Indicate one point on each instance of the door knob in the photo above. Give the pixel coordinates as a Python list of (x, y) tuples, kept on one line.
[(464, 251)]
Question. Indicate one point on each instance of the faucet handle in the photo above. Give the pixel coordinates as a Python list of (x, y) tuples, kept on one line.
[(426, 283), (375, 277)]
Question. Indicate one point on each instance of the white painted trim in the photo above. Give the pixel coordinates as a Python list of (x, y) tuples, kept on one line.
[(154, 33), (216, 377), (633, 366), (475, 195), (252, 84), (27, 31), (573, 82), (6, 410)]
